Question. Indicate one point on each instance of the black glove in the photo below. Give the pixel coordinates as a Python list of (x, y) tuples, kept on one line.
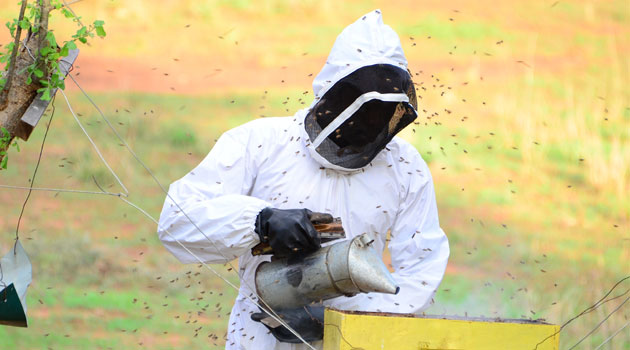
[(288, 231), (307, 321)]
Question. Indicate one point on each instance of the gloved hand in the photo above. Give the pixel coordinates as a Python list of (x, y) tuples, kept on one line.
[(308, 321), (288, 231)]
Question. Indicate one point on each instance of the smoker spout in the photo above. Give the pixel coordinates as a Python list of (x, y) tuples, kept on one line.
[(367, 270)]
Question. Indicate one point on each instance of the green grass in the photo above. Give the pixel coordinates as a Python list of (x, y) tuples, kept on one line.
[(93, 263), (535, 232)]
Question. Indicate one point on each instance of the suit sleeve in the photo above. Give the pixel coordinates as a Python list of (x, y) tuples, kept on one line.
[(214, 216), (419, 250)]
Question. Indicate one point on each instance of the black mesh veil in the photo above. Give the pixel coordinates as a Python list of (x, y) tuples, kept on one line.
[(356, 141)]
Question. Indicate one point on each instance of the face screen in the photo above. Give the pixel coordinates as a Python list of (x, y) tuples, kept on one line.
[(360, 114)]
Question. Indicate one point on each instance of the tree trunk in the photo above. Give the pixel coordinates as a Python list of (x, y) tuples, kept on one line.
[(21, 94)]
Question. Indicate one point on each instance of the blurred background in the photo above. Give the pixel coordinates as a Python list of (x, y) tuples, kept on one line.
[(524, 121)]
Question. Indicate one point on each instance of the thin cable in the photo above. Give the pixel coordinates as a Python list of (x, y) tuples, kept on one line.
[(612, 336), (269, 310), (4, 285), (611, 299), (28, 50), (62, 190), (97, 185), (599, 324), (342, 337), (280, 320), (67, 5), (92, 142), (39, 159), (121, 195), (135, 156), (587, 310)]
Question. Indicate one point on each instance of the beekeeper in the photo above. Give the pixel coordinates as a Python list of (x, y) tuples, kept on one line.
[(340, 157)]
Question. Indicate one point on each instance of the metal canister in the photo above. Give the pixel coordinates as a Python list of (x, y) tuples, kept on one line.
[(344, 268)]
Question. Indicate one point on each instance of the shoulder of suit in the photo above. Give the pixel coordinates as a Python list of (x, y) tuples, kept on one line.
[(269, 129), (400, 148)]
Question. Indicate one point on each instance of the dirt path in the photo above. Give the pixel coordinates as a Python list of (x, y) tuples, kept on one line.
[(199, 75), (188, 76)]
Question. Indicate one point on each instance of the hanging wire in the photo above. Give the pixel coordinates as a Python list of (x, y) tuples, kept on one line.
[(135, 156), (67, 5), (148, 170), (279, 319), (93, 144), (599, 324), (269, 310), (61, 190), (4, 285), (39, 159), (612, 336), (122, 195), (30, 190), (597, 304)]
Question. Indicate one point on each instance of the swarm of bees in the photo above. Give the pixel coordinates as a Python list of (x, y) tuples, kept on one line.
[(442, 106)]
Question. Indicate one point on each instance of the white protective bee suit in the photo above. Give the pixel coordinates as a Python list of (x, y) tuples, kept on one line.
[(271, 162)]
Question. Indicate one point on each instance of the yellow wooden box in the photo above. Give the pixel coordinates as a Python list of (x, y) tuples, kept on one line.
[(345, 330)]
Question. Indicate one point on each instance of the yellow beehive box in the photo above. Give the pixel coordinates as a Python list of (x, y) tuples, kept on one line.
[(346, 330)]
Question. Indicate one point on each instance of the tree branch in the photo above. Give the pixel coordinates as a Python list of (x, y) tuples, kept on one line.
[(4, 95), (44, 10)]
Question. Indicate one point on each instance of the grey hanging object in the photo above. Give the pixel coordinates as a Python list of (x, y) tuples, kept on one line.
[(36, 109), (15, 275)]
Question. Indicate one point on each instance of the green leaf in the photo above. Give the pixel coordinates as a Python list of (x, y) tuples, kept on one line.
[(64, 51), (3, 165), (83, 40), (38, 73), (50, 36), (46, 94), (71, 45), (24, 24), (11, 27), (5, 58), (100, 32), (45, 51)]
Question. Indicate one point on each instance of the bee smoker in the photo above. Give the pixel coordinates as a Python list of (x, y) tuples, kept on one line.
[(344, 268)]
